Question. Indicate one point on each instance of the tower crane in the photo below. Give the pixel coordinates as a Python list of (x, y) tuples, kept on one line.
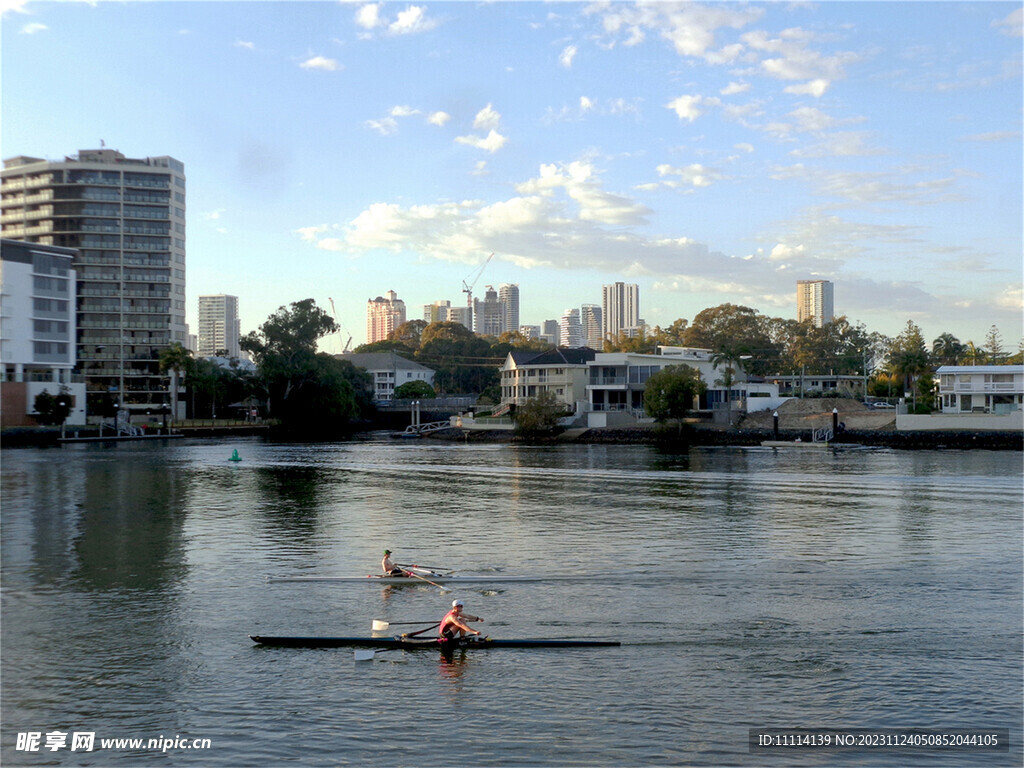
[(470, 281), (335, 313)]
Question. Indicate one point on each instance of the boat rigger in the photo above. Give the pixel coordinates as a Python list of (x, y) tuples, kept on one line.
[(415, 643)]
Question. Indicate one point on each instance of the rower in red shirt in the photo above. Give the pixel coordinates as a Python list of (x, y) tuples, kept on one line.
[(454, 622)]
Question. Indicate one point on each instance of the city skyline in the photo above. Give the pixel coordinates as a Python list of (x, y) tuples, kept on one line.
[(709, 153)]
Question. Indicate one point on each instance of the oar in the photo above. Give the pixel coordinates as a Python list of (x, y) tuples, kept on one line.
[(380, 624), (367, 654), (431, 583), (431, 567)]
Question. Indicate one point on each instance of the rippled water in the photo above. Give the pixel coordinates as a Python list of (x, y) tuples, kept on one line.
[(751, 588)]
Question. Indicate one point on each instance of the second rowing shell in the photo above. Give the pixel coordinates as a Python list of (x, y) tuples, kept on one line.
[(409, 580)]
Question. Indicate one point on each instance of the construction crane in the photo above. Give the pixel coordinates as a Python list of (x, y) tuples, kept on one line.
[(470, 281), (335, 313)]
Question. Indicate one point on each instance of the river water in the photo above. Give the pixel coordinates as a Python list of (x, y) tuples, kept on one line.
[(752, 588)]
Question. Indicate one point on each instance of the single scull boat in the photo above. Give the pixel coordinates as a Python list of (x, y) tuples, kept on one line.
[(414, 643), (439, 578)]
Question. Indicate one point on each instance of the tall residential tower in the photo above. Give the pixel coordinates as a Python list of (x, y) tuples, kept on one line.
[(126, 218), (814, 301), (383, 315), (620, 309), (218, 326)]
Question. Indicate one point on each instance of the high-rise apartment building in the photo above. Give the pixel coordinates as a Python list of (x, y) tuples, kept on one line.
[(550, 332), (620, 309), (571, 330), (219, 326), (383, 315), (437, 312), (126, 218), (508, 296), (593, 330), (489, 314), (462, 315), (814, 301)]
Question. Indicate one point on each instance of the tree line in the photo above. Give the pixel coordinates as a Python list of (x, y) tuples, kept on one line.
[(302, 386)]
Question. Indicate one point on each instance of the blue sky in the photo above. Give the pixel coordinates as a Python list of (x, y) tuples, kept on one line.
[(711, 153)]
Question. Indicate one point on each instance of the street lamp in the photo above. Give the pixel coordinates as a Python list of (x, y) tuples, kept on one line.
[(61, 405)]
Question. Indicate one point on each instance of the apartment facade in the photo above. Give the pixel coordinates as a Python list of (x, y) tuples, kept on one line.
[(219, 326), (563, 372), (37, 331), (620, 309), (570, 329), (992, 389), (508, 296), (126, 219), (593, 327), (383, 315), (489, 314), (388, 371), (814, 301)]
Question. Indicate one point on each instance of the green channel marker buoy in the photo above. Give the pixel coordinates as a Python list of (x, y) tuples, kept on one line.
[(235, 456)]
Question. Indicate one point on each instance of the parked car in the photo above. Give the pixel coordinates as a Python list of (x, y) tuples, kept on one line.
[(882, 405)]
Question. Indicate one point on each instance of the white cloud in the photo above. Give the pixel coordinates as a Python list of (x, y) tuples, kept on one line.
[(734, 88), (814, 88), (1012, 24), (386, 126), (410, 21), (486, 118), (31, 29), (586, 104), (567, 55), (403, 110), (1011, 298), (994, 136), (744, 147), (784, 252), (492, 142), (686, 107), (12, 6), (322, 63), (368, 16), (438, 118), (841, 144), (811, 119), (694, 175)]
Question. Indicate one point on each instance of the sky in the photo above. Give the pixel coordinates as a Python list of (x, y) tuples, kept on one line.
[(710, 152)]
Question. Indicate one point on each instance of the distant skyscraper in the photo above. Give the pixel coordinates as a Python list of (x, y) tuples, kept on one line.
[(218, 326), (572, 331), (489, 314), (462, 315), (383, 315), (437, 312), (550, 332), (620, 309), (508, 295), (593, 331), (530, 331), (814, 301), (126, 217)]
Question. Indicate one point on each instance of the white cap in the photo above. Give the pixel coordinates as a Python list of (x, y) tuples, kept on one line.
[(456, 603)]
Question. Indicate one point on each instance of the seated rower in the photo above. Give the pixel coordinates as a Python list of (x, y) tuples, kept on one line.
[(388, 566), (453, 624)]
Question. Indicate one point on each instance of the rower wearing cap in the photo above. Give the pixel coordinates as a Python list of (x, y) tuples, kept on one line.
[(388, 566), (454, 622)]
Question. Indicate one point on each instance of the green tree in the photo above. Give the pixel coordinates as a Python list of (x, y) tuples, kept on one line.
[(309, 392), (908, 358), (462, 362), (731, 326), (52, 409), (973, 355), (731, 357), (674, 335), (178, 361), (413, 390), (994, 345), (409, 334), (670, 393), (539, 415), (947, 349)]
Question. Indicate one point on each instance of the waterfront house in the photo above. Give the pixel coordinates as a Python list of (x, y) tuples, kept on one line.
[(388, 371), (560, 371)]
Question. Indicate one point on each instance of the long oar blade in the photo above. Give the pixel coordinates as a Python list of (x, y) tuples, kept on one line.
[(379, 625), (364, 654)]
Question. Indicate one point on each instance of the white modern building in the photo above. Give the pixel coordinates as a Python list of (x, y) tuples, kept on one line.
[(620, 309), (814, 301), (37, 331), (219, 326), (593, 327), (570, 329), (508, 296), (389, 371), (126, 218), (995, 389)]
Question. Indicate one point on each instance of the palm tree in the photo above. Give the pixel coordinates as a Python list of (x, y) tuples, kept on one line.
[(731, 357), (947, 349), (973, 354), (176, 360)]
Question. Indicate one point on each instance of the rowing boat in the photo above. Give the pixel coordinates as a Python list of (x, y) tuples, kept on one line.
[(439, 578), (415, 643)]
